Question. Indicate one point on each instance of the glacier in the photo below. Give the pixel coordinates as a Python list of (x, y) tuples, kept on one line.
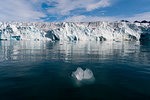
[(70, 31), (15, 31)]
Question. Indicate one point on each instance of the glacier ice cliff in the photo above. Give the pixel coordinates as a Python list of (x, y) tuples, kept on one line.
[(14, 31), (99, 31)]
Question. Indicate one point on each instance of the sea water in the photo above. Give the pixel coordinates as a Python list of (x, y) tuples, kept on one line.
[(38, 70)]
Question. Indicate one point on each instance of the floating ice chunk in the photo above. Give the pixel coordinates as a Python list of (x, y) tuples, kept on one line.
[(88, 74), (80, 74), (82, 77)]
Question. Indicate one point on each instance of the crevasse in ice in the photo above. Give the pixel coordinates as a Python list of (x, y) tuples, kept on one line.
[(99, 31)]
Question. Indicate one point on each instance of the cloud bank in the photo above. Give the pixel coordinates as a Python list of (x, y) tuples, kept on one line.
[(20, 10), (83, 18), (64, 7), (33, 10)]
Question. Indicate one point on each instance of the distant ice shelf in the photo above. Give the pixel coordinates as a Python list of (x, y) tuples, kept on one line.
[(70, 31)]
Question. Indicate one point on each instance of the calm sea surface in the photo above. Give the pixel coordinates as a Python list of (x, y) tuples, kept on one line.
[(34, 70)]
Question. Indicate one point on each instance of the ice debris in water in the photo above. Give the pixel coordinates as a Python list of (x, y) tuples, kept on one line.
[(81, 74)]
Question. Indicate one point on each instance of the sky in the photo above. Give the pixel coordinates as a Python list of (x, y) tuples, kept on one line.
[(74, 10)]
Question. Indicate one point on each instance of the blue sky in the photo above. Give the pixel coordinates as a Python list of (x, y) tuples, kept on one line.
[(74, 10)]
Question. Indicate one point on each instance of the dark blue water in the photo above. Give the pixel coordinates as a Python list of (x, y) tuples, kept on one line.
[(35, 70)]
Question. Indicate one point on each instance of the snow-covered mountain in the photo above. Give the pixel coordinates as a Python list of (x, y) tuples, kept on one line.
[(99, 31)]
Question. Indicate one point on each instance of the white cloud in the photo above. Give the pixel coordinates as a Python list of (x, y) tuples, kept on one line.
[(83, 18), (31, 10), (64, 7), (140, 17), (102, 3), (19, 10), (76, 18)]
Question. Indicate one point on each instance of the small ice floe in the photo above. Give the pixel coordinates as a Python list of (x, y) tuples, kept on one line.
[(83, 77), (81, 74)]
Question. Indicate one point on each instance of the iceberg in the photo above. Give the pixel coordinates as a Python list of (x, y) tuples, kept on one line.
[(75, 31), (82, 77), (81, 74)]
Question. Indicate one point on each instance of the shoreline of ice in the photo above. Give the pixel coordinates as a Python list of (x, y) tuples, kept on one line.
[(70, 31)]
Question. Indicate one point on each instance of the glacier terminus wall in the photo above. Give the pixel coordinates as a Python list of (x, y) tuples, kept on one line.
[(52, 31)]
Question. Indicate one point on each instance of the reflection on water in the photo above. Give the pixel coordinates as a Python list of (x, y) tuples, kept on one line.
[(85, 51), (75, 52), (42, 70), (20, 50)]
